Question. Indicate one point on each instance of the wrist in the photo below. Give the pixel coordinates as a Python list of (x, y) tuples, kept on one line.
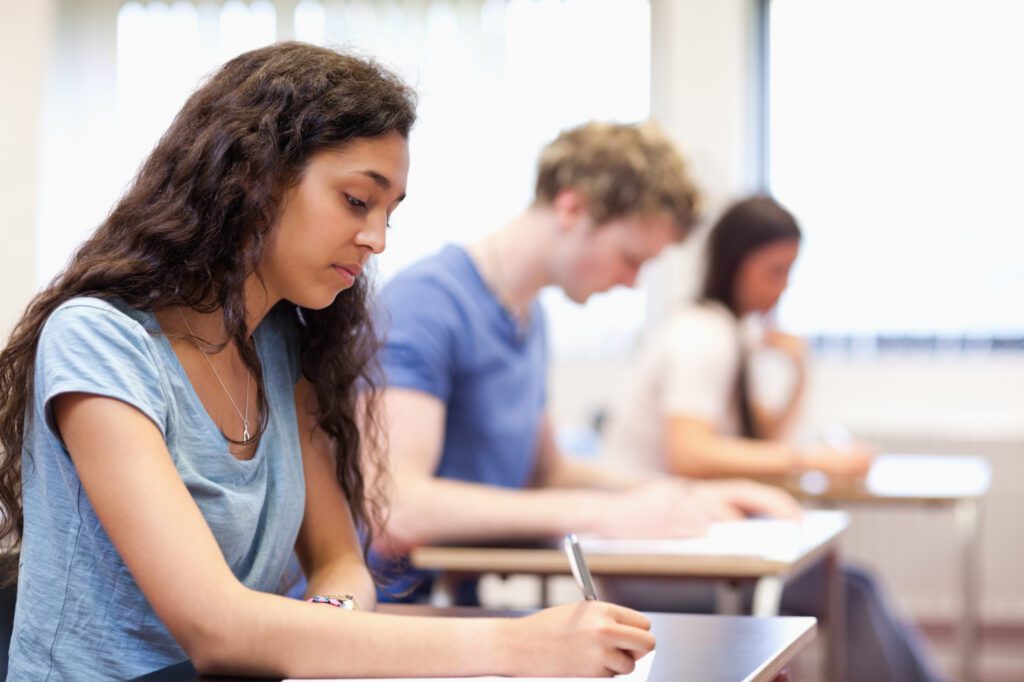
[(341, 601), (499, 645), (583, 512), (802, 459)]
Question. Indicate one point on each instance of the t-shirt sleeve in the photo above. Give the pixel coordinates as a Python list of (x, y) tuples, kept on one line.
[(93, 348), (418, 320), (702, 361)]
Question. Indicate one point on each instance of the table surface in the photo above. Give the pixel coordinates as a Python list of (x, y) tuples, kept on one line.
[(737, 549), (902, 478), (690, 647)]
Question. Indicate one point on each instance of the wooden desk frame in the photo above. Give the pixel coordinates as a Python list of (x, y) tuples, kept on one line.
[(769, 576), (966, 504)]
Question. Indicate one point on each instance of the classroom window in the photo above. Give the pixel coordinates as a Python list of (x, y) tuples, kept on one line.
[(894, 135), (497, 79)]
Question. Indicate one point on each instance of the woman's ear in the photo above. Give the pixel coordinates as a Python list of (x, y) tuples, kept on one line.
[(571, 207)]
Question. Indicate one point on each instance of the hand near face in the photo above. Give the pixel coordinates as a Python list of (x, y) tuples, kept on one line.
[(795, 347), (849, 461)]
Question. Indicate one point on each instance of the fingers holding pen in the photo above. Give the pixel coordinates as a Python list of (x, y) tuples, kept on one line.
[(623, 635), (636, 642), (586, 638), (629, 617), (620, 663)]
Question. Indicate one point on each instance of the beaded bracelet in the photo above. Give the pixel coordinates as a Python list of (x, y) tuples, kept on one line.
[(342, 601)]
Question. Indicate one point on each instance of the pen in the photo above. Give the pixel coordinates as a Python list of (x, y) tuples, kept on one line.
[(579, 567)]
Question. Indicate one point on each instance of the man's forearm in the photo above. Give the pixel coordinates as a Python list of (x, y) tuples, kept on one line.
[(435, 510), (570, 472)]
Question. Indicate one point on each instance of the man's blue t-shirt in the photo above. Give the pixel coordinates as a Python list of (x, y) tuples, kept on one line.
[(449, 336), (80, 615)]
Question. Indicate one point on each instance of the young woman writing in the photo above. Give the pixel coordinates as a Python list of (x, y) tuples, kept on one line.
[(181, 409)]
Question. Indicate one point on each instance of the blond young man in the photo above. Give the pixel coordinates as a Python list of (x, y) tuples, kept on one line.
[(472, 449)]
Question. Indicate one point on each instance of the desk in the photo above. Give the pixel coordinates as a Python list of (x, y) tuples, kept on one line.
[(729, 557), (959, 482), (690, 647)]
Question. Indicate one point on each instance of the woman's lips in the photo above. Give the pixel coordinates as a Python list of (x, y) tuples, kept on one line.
[(349, 271)]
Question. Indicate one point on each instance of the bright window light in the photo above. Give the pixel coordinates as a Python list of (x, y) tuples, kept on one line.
[(310, 22), (895, 136), (497, 79)]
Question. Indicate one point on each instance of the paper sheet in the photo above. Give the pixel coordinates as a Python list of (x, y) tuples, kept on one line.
[(765, 538), (639, 674)]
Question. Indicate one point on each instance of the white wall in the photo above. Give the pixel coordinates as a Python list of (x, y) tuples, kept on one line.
[(703, 97), (26, 34)]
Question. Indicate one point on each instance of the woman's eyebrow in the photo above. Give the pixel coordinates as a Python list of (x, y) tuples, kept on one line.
[(380, 180)]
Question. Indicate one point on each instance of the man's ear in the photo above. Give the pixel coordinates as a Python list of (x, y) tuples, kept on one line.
[(571, 208)]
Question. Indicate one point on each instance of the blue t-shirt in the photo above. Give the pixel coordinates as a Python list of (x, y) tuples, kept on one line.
[(449, 336), (80, 615)]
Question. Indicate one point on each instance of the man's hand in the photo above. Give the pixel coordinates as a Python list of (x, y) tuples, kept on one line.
[(663, 509), (738, 498)]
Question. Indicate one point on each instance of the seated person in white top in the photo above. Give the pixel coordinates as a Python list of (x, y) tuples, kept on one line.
[(689, 411), (695, 374)]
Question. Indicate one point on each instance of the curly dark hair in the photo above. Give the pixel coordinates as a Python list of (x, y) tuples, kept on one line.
[(192, 226)]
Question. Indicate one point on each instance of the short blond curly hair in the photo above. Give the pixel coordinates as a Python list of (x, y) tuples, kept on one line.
[(623, 170)]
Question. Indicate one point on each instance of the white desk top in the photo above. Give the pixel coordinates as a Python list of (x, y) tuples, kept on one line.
[(749, 548), (907, 478)]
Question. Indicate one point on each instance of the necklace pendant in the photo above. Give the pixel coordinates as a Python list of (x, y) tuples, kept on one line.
[(245, 433)]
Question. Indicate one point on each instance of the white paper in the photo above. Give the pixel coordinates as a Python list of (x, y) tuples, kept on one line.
[(640, 674), (929, 475), (761, 538)]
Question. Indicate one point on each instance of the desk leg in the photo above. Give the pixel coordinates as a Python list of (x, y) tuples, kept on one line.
[(728, 598), (968, 521), (442, 593), (835, 644), (768, 595)]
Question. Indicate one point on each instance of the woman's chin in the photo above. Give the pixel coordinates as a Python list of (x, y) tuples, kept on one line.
[(319, 301)]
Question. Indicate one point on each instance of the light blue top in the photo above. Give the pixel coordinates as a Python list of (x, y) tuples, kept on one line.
[(449, 336), (80, 614)]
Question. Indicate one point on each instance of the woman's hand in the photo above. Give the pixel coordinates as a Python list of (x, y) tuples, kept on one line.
[(846, 462), (582, 639), (793, 346)]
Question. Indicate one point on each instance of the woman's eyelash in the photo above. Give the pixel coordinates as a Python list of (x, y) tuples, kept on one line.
[(353, 201)]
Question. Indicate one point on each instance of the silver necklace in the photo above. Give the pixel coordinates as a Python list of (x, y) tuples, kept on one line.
[(244, 417)]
